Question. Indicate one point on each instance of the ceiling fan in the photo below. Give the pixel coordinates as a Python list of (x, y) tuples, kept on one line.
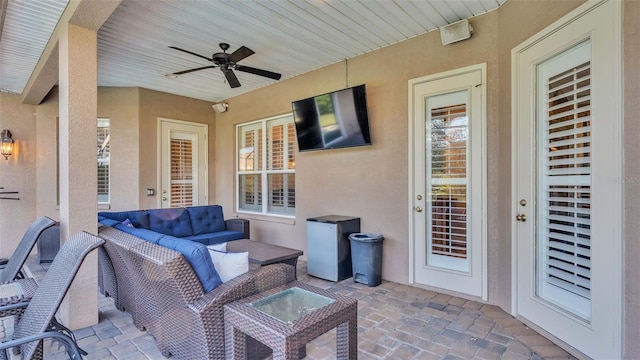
[(229, 62)]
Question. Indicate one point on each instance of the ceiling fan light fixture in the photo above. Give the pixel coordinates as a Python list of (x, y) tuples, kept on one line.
[(170, 76)]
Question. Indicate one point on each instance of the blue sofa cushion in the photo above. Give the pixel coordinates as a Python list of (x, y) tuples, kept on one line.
[(145, 234), (217, 237), (198, 257), (206, 219), (174, 222), (138, 218)]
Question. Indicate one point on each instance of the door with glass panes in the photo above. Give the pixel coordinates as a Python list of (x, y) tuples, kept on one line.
[(448, 180), (566, 201), (183, 163)]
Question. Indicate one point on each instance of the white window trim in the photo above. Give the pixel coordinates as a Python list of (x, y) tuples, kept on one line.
[(108, 202), (264, 172)]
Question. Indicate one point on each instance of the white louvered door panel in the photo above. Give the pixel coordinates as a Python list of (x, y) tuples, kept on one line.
[(448, 129), (182, 170), (565, 178)]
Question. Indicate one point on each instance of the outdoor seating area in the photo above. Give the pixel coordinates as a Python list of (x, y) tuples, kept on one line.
[(153, 305), (395, 321)]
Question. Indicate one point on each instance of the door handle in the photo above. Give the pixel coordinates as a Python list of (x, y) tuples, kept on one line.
[(164, 198), (418, 208), (521, 217)]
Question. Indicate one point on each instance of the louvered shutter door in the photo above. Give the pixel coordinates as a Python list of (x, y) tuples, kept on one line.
[(567, 181), (181, 172), (448, 210)]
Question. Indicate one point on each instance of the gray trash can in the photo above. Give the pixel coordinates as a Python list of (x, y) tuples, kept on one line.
[(366, 258)]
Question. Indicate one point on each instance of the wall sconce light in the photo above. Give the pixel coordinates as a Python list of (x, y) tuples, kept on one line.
[(6, 144)]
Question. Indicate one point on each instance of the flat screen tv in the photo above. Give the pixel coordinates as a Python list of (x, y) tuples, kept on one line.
[(334, 120)]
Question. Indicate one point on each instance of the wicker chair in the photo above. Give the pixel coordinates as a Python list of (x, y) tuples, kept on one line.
[(38, 321), (186, 322), (11, 270)]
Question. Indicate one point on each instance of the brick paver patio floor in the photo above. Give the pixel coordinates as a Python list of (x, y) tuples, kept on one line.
[(395, 321)]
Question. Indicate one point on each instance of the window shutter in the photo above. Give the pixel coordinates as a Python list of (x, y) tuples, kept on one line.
[(567, 181), (104, 158), (449, 141), (181, 172), (266, 183), (276, 147)]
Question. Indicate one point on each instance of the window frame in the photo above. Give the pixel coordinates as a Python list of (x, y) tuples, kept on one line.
[(264, 169), (108, 174)]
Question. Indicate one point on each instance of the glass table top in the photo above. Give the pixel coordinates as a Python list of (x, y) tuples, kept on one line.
[(291, 304)]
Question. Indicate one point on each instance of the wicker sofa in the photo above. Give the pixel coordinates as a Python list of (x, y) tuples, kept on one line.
[(161, 291)]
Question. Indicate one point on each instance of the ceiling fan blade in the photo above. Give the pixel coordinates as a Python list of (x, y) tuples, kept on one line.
[(241, 53), (260, 72), (231, 78), (196, 69), (189, 52)]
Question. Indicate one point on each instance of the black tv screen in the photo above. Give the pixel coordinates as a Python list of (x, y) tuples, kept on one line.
[(334, 120)]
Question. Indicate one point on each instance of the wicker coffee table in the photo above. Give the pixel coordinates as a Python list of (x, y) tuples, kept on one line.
[(286, 318)]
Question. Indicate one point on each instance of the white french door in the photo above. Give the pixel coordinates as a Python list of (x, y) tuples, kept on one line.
[(567, 203), (183, 163), (447, 182)]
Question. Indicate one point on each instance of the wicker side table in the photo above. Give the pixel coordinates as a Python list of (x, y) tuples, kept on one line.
[(302, 313)]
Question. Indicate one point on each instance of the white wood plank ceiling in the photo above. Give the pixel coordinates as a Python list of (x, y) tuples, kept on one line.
[(25, 31), (290, 37)]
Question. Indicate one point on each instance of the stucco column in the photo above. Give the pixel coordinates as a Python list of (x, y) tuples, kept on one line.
[(78, 74)]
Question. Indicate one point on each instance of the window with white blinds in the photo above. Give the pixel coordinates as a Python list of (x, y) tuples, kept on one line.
[(266, 183), (182, 171), (104, 158), (566, 218), (449, 180), (249, 167)]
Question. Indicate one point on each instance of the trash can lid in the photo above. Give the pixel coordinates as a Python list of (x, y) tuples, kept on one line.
[(366, 237)]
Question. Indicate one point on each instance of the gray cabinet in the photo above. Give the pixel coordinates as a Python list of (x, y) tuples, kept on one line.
[(328, 255)]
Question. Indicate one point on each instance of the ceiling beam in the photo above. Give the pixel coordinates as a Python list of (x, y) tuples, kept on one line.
[(90, 14)]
